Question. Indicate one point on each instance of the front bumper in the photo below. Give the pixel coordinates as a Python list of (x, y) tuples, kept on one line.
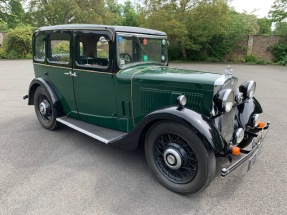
[(252, 154)]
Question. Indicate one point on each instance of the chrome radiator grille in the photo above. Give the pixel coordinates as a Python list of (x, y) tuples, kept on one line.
[(225, 122)]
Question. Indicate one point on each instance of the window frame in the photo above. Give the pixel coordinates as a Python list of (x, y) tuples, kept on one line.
[(100, 33), (49, 48), (129, 34), (34, 47)]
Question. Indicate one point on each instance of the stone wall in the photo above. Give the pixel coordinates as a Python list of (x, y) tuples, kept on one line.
[(256, 45), (259, 46)]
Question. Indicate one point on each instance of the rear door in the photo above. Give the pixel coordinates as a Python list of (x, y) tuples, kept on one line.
[(58, 69), (94, 80)]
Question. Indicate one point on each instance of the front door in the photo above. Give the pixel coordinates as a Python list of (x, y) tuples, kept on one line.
[(93, 81)]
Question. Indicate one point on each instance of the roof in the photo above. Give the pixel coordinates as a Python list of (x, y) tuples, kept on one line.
[(102, 27)]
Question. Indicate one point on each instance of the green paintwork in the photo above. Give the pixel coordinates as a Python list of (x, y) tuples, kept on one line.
[(155, 87), (95, 96), (62, 84), (121, 100)]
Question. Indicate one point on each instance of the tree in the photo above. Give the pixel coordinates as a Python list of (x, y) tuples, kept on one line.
[(53, 12), (3, 26), (264, 26), (278, 11), (281, 29), (130, 16), (114, 12), (12, 13)]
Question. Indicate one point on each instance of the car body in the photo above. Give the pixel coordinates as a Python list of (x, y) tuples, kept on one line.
[(114, 84)]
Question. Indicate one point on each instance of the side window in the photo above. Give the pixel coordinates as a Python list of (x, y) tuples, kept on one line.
[(93, 50), (59, 45), (39, 50)]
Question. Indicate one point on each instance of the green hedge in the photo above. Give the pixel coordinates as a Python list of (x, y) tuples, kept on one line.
[(18, 44)]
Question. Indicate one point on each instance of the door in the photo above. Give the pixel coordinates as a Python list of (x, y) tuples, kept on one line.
[(93, 84), (59, 68)]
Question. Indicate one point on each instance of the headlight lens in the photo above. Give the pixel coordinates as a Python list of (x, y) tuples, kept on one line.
[(224, 100), (248, 89), (181, 100)]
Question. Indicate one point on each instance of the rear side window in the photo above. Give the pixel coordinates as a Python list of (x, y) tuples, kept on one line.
[(59, 45), (40, 50)]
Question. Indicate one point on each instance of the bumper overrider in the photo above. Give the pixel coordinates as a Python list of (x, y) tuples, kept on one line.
[(251, 155)]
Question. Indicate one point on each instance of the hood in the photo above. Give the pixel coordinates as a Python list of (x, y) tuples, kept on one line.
[(168, 74)]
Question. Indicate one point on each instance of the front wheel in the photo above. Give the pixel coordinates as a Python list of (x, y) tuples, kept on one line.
[(44, 109), (178, 158)]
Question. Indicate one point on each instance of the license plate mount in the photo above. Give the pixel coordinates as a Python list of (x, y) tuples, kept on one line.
[(253, 158)]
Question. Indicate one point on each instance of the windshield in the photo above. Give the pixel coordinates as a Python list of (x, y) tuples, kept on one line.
[(134, 49)]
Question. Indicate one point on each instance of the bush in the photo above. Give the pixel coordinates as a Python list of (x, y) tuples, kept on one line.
[(250, 59), (256, 60), (279, 51), (18, 44)]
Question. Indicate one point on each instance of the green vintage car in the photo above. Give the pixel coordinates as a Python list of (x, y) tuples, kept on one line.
[(113, 83)]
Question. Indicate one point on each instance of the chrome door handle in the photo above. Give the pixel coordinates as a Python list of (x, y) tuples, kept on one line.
[(73, 74), (70, 74)]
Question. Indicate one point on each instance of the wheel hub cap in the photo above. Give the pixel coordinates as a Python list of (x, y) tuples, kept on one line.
[(43, 107), (172, 158)]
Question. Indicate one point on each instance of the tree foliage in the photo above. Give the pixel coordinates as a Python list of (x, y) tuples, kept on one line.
[(52, 12), (281, 29), (278, 11), (279, 50), (197, 29), (12, 13), (264, 26)]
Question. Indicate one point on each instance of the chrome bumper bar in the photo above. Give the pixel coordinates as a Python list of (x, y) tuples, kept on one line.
[(256, 146)]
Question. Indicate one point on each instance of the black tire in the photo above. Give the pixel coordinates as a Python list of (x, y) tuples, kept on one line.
[(48, 117), (170, 140)]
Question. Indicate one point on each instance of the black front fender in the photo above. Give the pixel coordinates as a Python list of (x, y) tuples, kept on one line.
[(201, 125)]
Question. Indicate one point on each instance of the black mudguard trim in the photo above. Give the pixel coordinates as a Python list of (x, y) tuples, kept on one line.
[(201, 125), (40, 81), (258, 109), (247, 109)]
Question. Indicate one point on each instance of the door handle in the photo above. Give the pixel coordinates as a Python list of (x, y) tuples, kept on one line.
[(73, 74), (70, 74)]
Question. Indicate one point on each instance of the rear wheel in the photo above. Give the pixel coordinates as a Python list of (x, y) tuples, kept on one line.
[(44, 109), (178, 158)]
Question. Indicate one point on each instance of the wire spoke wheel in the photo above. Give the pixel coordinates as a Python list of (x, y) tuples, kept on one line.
[(178, 157), (174, 158)]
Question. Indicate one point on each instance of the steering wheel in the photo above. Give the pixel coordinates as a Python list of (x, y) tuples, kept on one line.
[(127, 57), (97, 61)]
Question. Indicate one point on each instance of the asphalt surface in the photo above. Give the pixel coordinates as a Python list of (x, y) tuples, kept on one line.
[(66, 172)]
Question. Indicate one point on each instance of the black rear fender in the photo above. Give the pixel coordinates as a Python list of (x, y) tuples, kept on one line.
[(44, 83)]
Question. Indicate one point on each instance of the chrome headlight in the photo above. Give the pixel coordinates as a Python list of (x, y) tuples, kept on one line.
[(181, 100), (224, 100), (254, 120), (238, 136), (248, 89)]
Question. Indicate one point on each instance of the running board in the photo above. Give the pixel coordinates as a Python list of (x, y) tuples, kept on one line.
[(99, 133)]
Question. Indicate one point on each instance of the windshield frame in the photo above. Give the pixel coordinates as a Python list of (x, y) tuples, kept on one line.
[(138, 35)]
